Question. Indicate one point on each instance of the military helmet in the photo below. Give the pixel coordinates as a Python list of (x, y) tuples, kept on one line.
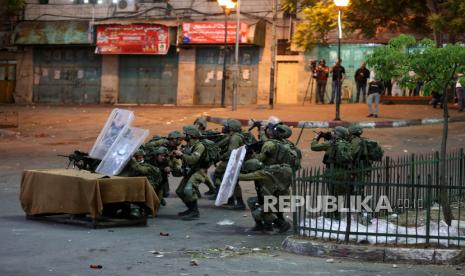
[(272, 122), (283, 131), (233, 124), (342, 132), (174, 135), (251, 165), (160, 150), (192, 131), (355, 130), (201, 122), (139, 152)]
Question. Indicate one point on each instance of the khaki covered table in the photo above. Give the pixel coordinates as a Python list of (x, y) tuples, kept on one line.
[(67, 191)]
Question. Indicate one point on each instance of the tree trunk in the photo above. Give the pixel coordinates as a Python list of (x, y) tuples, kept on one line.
[(443, 191)]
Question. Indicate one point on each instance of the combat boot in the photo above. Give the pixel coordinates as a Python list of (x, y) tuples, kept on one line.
[(194, 212), (239, 204), (282, 225), (188, 211), (261, 227)]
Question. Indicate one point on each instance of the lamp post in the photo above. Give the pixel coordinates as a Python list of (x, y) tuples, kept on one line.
[(236, 55), (340, 4), (227, 5)]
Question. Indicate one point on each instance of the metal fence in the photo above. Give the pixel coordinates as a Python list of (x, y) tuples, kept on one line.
[(409, 185)]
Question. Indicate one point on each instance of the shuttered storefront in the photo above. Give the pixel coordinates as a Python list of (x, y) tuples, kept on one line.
[(148, 79), (66, 75), (209, 67)]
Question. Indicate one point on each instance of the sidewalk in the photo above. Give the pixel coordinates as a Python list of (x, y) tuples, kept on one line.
[(322, 116)]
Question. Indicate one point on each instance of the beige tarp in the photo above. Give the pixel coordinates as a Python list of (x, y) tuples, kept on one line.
[(77, 192)]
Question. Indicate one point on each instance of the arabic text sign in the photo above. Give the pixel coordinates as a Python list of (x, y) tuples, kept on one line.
[(132, 39), (212, 33)]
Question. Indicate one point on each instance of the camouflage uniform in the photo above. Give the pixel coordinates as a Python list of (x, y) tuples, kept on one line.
[(171, 143), (160, 159), (132, 169), (231, 141), (272, 180), (188, 189), (334, 171)]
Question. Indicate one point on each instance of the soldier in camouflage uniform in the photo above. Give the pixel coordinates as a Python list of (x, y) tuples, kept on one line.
[(273, 180), (138, 167), (195, 172), (285, 132), (232, 140), (167, 165), (172, 143), (336, 171)]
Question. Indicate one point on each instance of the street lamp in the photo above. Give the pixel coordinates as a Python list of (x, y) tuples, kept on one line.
[(340, 4), (227, 6)]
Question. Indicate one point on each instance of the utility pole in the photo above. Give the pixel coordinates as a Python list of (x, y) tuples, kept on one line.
[(273, 54), (236, 56)]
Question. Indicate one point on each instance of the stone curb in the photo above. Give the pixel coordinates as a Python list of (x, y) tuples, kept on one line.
[(370, 253), (331, 124)]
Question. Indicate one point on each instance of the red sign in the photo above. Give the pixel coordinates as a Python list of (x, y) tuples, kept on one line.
[(150, 39), (212, 33)]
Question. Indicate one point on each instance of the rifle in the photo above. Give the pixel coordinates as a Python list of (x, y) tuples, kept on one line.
[(212, 136), (255, 124), (323, 134), (254, 147), (82, 161)]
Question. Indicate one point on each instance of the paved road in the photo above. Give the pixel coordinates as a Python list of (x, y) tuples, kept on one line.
[(39, 248)]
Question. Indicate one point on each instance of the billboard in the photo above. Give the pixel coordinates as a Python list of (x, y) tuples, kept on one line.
[(143, 38), (212, 33)]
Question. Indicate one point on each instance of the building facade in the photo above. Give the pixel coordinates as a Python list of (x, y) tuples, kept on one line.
[(72, 53)]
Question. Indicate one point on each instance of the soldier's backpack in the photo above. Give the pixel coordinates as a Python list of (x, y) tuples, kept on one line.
[(339, 154), (287, 154), (282, 174), (372, 150), (211, 154), (296, 156)]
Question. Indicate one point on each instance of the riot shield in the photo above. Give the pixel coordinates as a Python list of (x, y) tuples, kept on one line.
[(122, 150), (231, 175), (117, 122)]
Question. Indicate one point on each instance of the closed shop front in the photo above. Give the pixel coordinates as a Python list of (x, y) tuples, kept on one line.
[(66, 75), (7, 80), (148, 79), (209, 62)]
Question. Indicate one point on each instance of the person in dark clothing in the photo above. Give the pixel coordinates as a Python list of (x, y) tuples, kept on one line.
[(375, 89), (361, 76), (338, 76)]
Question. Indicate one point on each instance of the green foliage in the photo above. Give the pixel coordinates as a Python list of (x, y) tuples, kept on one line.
[(436, 17), (15, 6), (318, 21), (436, 66)]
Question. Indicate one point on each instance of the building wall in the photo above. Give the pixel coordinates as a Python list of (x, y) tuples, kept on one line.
[(110, 81), (24, 75), (66, 10)]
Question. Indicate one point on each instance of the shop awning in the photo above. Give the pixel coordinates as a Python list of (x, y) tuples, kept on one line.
[(51, 33)]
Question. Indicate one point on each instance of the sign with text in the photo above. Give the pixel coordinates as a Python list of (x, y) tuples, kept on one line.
[(212, 33), (148, 39)]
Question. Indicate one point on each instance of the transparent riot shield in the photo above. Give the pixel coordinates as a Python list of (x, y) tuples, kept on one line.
[(117, 122), (122, 150), (230, 176)]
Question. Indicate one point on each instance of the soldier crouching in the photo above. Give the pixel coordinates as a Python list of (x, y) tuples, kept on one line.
[(273, 180)]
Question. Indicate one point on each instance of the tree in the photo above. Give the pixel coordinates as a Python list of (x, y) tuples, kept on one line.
[(438, 67), (427, 17), (320, 19), (13, 7)]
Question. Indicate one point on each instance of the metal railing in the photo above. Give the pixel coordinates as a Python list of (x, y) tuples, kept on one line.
[(409, 185)]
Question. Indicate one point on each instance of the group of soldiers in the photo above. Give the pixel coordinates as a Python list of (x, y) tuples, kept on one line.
[(271, 162)]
